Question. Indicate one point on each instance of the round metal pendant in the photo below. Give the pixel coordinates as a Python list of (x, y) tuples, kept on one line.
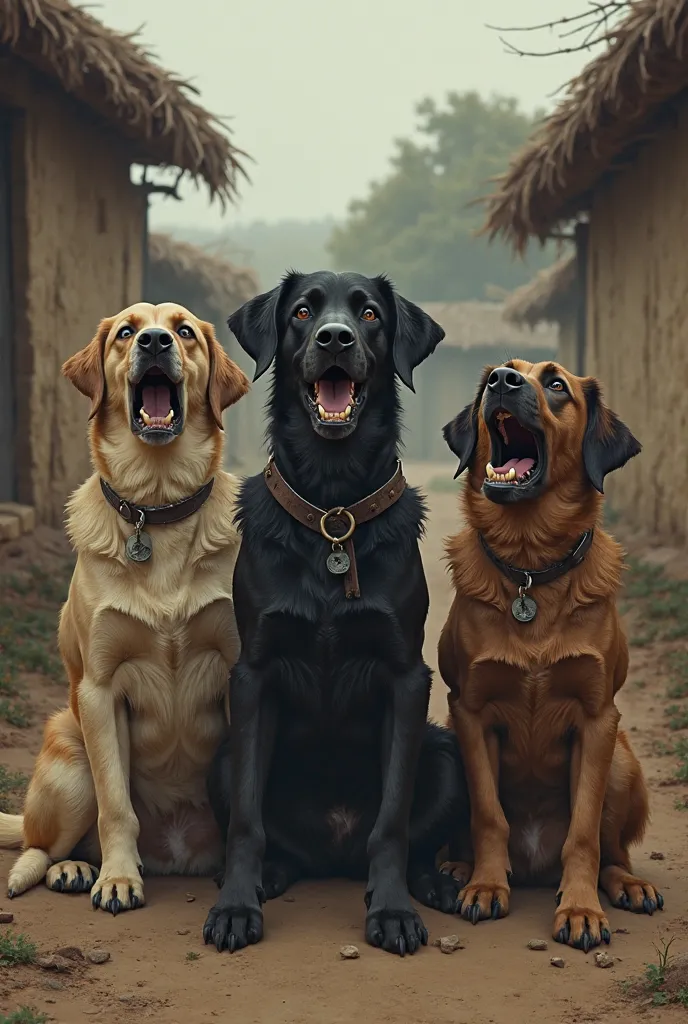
[(139, 547), (524, 609), (338, 562)]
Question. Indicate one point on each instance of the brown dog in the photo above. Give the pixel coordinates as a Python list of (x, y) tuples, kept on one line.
[(147, 642), (533, 652)]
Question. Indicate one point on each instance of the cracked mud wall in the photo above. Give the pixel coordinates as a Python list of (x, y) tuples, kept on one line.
[(78, 230), (638, 325)]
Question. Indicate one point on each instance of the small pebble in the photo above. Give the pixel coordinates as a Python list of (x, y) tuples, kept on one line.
[(349, 953), (54, 984), (182, 931), (126, 999), (6, 918), (621, 931), (557, 961), (290, 899), (450, 943), (655, 855), (603, 959), (51, 1000), (70, 953), (54, 963), (190, 898), (539, 944), (98, 956)]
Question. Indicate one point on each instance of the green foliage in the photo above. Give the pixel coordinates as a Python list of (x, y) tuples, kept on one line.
[(16, 949), (419, 224), (24, 1015)]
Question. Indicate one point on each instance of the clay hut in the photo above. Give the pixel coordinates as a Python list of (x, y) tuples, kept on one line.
[(476, 334), (551, 298), (212, 287), (79, 105)]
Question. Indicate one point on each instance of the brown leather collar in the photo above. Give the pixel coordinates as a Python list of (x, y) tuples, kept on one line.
[(156, 515), (337, 525)]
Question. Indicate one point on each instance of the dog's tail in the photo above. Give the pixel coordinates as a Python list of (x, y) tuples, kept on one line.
[(30, 869), (11, 831)]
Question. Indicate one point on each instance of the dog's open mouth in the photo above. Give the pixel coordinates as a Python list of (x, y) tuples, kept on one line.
[(335, 398), (157, 409), (518, 458)]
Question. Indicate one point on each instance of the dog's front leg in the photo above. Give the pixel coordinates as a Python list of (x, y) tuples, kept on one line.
[(391, 922), (580, 920), (236, 920), (487, 893), (105, 729)]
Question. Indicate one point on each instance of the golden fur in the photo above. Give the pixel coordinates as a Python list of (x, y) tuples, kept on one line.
[(553, 785), (147, 647)]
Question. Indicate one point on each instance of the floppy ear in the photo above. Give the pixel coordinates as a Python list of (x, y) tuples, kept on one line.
[(226, 382), (416, 334), (254, 325), (608, 444), (461, 434), (86, 369)]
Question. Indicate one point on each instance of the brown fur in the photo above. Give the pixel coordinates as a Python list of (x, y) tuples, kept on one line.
[(147, 647), (553, 785)]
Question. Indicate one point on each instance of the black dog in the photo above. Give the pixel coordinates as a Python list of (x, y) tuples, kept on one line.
[(331, 767)]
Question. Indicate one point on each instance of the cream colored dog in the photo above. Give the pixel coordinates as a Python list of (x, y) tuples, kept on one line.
[(147, 637)]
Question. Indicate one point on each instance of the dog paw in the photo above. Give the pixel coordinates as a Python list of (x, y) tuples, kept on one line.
[(636, 895), (71, 876), (116, 891), (482, 901), (458, 869), (437, 890), (234, 925), (393, 925), (276, 879), (581, 927)]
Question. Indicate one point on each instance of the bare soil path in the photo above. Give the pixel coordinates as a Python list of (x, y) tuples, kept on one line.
[(160, 970)]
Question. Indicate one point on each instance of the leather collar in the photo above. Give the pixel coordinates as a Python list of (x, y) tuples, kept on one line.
[(338, 522), (534, 577), (156, 515)]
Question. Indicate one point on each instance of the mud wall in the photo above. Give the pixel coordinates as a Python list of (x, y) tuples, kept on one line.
[(637, 339), (77, 241)]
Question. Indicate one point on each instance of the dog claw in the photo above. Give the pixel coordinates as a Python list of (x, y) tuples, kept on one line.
[(660, 901), (496, 909), (232, 945), (401, 946), (97, 899), (606, 936)]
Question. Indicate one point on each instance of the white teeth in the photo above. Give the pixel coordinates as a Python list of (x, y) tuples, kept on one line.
[(321, 412), (168, 419), (347, 412), (145, 417), (511, 475), (489, 470)]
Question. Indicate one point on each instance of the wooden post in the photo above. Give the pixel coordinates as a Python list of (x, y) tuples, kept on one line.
[(582, 235)]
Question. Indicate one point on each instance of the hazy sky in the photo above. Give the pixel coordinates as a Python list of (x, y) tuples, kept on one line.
[(318, 90)]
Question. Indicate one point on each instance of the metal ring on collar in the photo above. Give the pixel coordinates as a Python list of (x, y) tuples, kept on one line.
[(337, 512)]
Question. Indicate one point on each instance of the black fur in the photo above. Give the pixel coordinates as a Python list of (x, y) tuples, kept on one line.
[(461, 433), (608, 444), (331, 767)]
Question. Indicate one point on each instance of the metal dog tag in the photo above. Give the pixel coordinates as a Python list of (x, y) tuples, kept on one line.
[(524, 609), (139, 547), (338, 562)]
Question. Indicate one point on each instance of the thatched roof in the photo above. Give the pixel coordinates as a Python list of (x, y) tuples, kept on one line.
[(470, 325), (225, 286), (548, 298), (118, 79), (606, 110)]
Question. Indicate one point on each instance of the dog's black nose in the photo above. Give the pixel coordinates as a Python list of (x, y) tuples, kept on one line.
[(334, 337), (504, 378), (155, 340)]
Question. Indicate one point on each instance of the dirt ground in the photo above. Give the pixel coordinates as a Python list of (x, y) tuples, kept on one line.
[(160, 970)]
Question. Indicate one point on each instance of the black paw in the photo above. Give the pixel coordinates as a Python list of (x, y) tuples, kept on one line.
[(234, 926), (396, 931), (78, 881), (437, 890), (276, 879)]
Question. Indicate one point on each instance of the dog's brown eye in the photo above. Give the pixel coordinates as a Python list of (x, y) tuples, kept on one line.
[(369, 315), (125, 332), (303, 313), (185, 332), (557, 385)]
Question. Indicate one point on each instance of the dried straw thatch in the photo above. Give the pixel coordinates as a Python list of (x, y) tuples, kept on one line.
[(115, 77), (548, 298), (225, 286), (610, 107), (470, 325)]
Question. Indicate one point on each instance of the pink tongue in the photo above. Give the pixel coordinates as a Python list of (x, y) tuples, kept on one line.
[(520, 465), (334, 395), (157, 401)]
